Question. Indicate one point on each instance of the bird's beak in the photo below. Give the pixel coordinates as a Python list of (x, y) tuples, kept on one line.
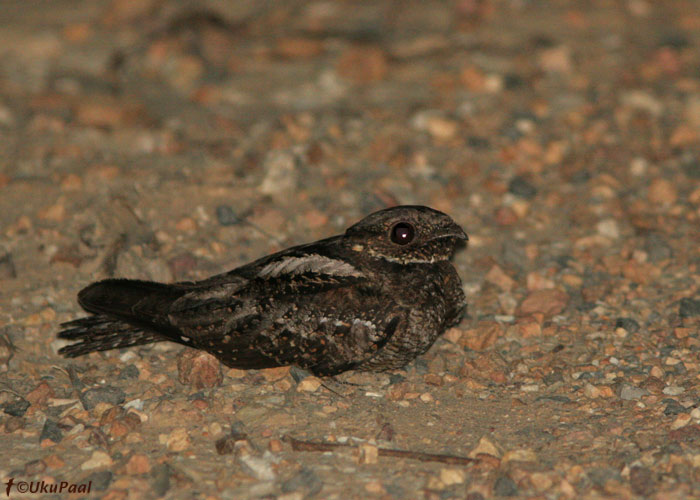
[(453, 231)]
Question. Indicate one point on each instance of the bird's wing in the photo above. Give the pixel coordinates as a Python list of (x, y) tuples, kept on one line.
[(309, 309)]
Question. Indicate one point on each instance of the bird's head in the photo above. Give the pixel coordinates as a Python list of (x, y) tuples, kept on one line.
[(406, 234)]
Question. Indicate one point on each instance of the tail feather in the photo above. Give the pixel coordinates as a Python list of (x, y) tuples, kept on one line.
[(101, 333), (140, 303), (96, 325), (125, 313)]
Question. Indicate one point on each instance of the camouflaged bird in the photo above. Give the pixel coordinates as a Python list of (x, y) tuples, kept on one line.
[(373, 299)]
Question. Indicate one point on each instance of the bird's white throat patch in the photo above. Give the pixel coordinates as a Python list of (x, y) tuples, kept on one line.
[(405, 259)]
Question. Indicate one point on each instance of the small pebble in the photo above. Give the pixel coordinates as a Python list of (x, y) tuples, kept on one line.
[(298, 374), (426, 397), (16, 408), (179, 266), (309, 384), (528, 329), (375, 488), (199, 369), (275, 446), (483, 336), (7, 348), (673, 390), (215, 428), (541, 481), (453, 335), (306, 479), (505, 486), (54, 462), (657, 248), (138, 464), (258, 467), (386, 433), (275, 374), (129, 372), (629, 324), (662, 192), (681, 420), (369, 454), (673, 407), (186, 224), (498, 277), (40, 394), (520, 186), (608, 228), (506, 216), (178, 440), (547, 302), (160, 479), (51, 431), (452, 476), (293, 47), (642, 481), (54, 213), (682, 333), (34, 467), (474, 495), (486, 446), (521, 455), (7, 119), (105, 394), (591, 391), (689, 308), (226, 216), (227, 444), (13, 424), (630, 392), (8, 271), (281, 174), (97, 460), (535, 281), (556, 59), (362, 65), (441, 128), (692, 168), (100, 480)]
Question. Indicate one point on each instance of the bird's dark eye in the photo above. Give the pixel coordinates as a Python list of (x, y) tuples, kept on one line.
[(402, 233)]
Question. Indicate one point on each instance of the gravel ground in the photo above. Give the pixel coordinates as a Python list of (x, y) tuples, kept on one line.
[(173, 140)]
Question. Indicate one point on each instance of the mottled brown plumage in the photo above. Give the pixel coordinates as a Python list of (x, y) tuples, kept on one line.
[(373, 298)]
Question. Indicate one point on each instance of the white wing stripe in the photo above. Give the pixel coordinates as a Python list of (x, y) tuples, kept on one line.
[(313, 263)]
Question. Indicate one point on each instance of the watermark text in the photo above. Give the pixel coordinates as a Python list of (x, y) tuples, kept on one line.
[(43, 487)]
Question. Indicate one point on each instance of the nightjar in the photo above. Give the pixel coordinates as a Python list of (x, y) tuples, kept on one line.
[(373, 299)]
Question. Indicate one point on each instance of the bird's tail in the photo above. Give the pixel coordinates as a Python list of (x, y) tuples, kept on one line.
[(144, 303), (125, 313), (101, 333)]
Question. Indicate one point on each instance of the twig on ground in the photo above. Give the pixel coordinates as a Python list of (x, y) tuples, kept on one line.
[(299, 445)]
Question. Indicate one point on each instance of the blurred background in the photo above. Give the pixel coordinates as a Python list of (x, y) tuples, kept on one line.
[(170, 138)]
